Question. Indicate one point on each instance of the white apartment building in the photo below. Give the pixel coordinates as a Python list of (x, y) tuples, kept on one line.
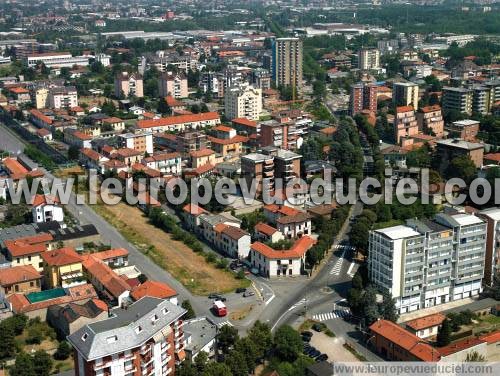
[(426, 263), (405, 94), (369, 59), (104, 59), (63, 97), (44, 210), (141, 141), (492, 258), (57, 60), (243, 101), (166, 163), (144, 338)]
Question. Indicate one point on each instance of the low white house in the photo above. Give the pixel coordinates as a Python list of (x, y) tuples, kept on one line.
[(265, 233), (427, 326), (273, 263), (231, 240), (46, 209)]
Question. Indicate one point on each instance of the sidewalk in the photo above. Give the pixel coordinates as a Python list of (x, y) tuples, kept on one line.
[(436, 309)]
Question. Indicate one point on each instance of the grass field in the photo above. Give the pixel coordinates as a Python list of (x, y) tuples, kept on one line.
[(188, 267)]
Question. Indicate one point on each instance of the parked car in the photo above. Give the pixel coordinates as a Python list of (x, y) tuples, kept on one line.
[(248, 293), (322, 358), (306, 333), (306, 339), (314, 353), (216, 297), (239, 290), (318, 327)]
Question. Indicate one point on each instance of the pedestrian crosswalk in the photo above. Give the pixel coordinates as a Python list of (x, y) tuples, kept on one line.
[(223, 323), (335, 314), (338, 266), (344, 246)]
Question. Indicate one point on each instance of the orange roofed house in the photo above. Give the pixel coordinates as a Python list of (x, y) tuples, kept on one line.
[(19, 279), (427, 326), (63, 268), (155, 289), (275, 263), (394, 343), (110, 285), (430, 120), (405, 124), (291, 222), (28, 250)]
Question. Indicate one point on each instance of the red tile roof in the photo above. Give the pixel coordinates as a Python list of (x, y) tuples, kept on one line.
[(106, 276), (111, 253), (39, 199), (299, 248), (426, 321), (194, 209), (19, 90), (112, 120), (265, 229), (490, 338), (27, 245), (281, 209), (180, 119), (433, 108), (246, 122), (222, 128), (404, 109), (457, 346), (408, 341), (61, 256), (227, 141), (154, 289), (91, 154), (172, 102), (201, 153), (127, 152), (37, 114), (16, 274)]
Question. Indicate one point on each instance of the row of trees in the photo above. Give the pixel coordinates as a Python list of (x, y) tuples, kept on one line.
[(239, 356)]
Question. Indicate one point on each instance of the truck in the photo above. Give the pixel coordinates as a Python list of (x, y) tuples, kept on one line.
[(219, 308)]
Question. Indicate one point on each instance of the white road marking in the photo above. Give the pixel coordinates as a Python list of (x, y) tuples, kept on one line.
[(223, 323), (335, 314)]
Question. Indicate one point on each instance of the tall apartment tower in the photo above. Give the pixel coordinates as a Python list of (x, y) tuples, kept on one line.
[(457, 99), (405, 124), (405, 94), (287, 62), (243, 101), (368, 59), (363, 97), (426, 263)]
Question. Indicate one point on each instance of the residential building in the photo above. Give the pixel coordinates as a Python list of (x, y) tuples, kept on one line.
[(201, 336), (19, 279), (426, 263), (180, 123), (291, 222), (27, 250), (191, 215), (62, 268), (405, 94), (246, 126), (145, 337), (405, 123), (226, 142), (452, 148), (394, 343), (492, 257), (466, 130), (109, 284), (141, 141), (63, 97), (113, 124), (427, 326), (482, 99), (174, 85), (77, 138), (166, 163), (266, 233), (202, 157), (261, 79), (243, 101), (285, 134), (457, 99), (287, 63), (42, 98), (154, 289), (104, 59), (69, 318), (128, 156), (114, 258), (232, 241), (273, 263), (369, 59), (258, 168), (129, 85), (430, 120), (46, 209), (362, 97)]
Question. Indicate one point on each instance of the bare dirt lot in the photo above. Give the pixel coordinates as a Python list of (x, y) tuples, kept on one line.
[(190, 268)]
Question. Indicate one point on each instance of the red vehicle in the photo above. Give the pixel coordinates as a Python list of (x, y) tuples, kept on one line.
[(219, 308)]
